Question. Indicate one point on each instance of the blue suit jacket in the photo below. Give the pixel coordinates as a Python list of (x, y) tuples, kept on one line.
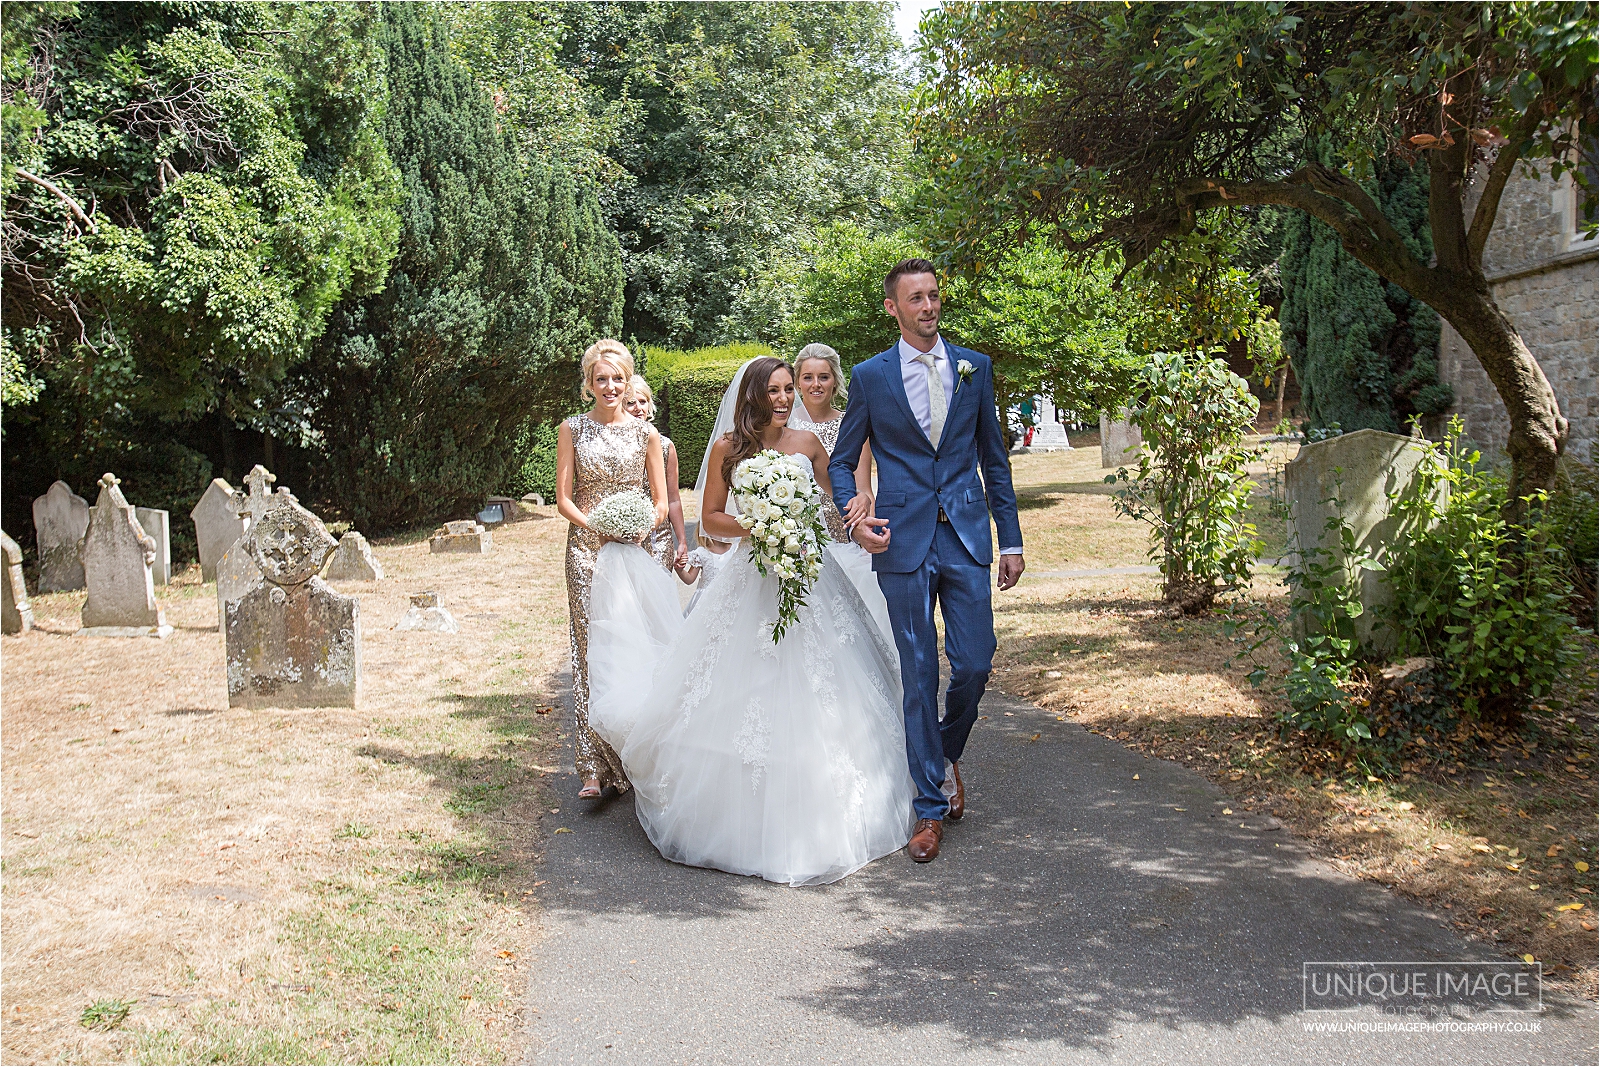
[(914, 478)]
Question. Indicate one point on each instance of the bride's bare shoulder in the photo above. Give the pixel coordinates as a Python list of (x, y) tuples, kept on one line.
[(804, 440)]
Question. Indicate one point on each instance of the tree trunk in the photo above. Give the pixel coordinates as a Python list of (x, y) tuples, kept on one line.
[(1538, 430), (1283, 382)]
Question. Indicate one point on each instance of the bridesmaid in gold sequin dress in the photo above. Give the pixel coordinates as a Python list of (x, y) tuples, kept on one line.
[(601, 452), (666, 542)]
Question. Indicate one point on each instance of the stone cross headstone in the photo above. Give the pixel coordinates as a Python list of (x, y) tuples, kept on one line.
[(461, 536), (59, 519), (291, 640), (237, 571), (1120, 441), (153, 522), (1360, 470), (426, 613), (16, 615), (217, 526), (117, 554), (352, 561)]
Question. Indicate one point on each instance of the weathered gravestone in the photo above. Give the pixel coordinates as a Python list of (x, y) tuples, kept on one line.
[(59, 519), (1050, 435), (510, 510), (352, 561), (237, 571), (426, 613), (291, 641), (536, 499), (153, 522), (16, 615), (217, 526), (463, 536), (1120, 441), (117, 554), (1353, 475)]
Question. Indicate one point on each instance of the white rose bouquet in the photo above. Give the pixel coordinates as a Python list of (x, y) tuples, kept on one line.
[(626, 516), (781, 506)]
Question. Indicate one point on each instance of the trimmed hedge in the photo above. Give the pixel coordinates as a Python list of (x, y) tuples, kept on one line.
[(688, 389)]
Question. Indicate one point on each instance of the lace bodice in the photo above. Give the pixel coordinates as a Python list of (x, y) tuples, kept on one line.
[(827, 432)]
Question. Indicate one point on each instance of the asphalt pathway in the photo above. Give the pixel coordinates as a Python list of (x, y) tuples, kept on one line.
[(1078, 914)]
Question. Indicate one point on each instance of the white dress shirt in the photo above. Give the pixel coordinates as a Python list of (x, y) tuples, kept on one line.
[(914, 373)]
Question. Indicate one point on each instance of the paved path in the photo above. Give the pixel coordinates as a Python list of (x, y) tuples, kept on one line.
[(1077, 915)]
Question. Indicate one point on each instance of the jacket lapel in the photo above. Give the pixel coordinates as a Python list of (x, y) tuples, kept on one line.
[(897, 389)]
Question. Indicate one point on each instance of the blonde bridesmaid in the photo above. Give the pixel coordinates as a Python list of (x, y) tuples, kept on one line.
[(603, 451), (666, 542)]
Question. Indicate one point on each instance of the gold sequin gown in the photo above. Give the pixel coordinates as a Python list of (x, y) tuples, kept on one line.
[(606, 460), (661, 543)]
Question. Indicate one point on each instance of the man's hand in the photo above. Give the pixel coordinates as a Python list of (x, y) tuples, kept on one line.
[(868, 538), (1010, 570)]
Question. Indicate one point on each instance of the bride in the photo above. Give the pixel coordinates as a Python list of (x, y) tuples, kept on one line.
[(784, 760)]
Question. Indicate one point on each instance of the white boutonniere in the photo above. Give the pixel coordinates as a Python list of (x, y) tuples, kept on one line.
[(965, 368)]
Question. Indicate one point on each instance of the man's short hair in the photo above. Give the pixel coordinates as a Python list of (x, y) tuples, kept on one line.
[(904, 267)]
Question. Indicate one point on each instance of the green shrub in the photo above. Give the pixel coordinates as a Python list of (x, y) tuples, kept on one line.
[(688, 388), (1574, 510), (1488, 600), (1318, 639), (1190, 485), (537, 473)]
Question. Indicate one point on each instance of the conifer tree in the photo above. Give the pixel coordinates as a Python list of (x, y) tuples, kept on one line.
[(505, 273), (1364, 350)]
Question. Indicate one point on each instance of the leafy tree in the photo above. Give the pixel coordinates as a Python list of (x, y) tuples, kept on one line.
[(743, 127), (188, 189), (1053, 324), (418, 394), (192, 189), (1133, 124), (515, 50), (1364, 350)]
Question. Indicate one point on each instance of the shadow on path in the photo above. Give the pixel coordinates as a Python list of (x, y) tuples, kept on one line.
[(1078, 913)]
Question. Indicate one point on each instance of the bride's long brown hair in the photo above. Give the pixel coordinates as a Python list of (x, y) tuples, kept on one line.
[(752, 413)]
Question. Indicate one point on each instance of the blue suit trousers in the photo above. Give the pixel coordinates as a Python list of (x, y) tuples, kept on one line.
[(960, 585)]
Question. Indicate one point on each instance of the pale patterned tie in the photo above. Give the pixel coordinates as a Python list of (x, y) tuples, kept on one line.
[(937, 405)]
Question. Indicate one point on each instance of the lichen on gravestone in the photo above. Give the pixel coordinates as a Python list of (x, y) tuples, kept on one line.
[(291, 640)]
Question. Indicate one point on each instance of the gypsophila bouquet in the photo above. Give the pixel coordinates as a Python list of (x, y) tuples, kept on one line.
[(781, 506), (626, 516)]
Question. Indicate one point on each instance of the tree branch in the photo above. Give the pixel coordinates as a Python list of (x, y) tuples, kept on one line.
[(1494, 185), (51, 187), (1378, 246)]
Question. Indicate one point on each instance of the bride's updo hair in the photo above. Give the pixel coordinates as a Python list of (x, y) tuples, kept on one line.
[(822, 351), (605, 351), (752, 413)]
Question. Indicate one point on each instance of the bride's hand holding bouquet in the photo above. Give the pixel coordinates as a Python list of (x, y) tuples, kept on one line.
[(780, 505)]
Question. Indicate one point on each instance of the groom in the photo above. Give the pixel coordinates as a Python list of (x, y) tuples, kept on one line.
[(928, 409)]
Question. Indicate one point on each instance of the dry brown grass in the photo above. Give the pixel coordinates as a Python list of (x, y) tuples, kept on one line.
[(320, 885), (1105, 653)]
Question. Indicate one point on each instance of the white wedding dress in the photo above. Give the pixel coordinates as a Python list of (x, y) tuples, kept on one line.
[(786, 761)]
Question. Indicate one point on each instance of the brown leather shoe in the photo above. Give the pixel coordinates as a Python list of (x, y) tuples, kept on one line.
[(924, 843), (958, 800)]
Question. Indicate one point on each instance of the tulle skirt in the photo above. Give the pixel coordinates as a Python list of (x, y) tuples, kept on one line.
[(785, 760)]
